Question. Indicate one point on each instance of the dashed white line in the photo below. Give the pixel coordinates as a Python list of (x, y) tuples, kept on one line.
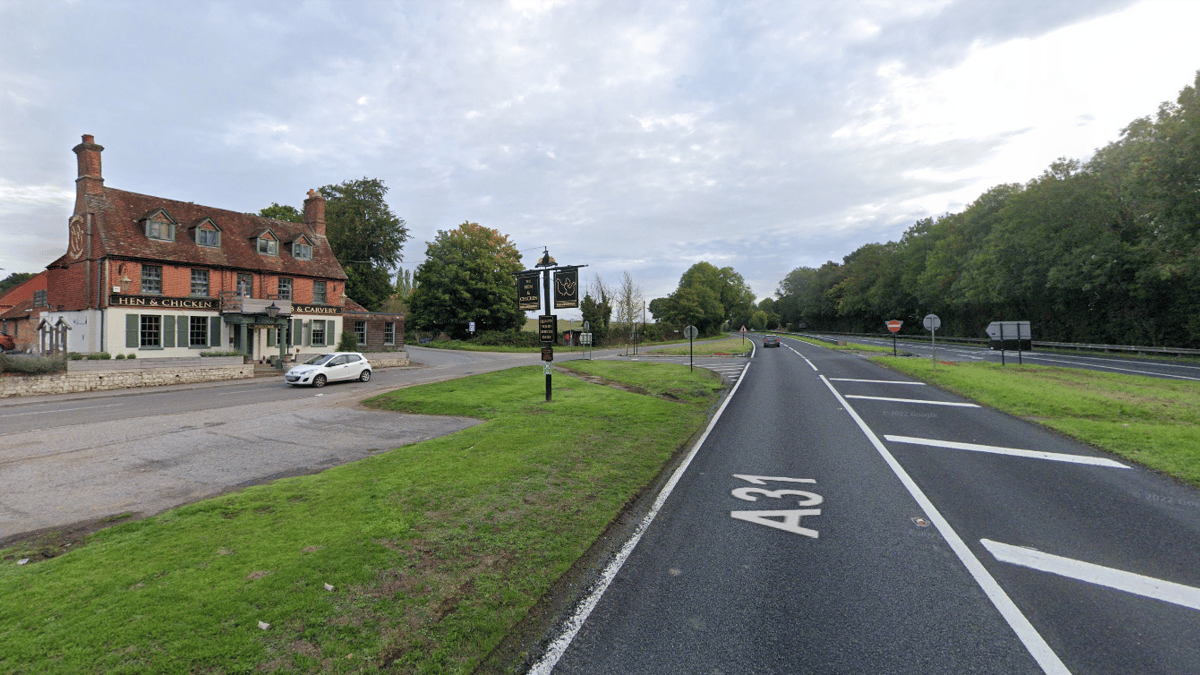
[(810, 363), (1149, 587), (1015, 452), (913, 400), (1033, 641)]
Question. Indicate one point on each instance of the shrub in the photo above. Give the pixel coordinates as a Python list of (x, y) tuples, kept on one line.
[(509, 338), (131, 356), (119, 357), (228, 352), (33, 365), (348, 342), (75, 356), (99, 356)]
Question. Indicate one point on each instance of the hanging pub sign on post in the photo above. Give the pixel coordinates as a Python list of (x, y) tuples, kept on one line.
[(529, 296), (565, 295), (566, 288)]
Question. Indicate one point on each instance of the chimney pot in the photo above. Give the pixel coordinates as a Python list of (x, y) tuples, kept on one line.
[(314, 212), (90, 180)]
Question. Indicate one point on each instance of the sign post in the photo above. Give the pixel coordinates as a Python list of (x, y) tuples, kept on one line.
[(566, 295), (690, 332), (743, 335), (894, 326), (932, 323)]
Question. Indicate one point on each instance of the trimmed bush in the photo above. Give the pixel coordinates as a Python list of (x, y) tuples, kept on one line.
[(228, 352), (75, 356), (348, 342), (131, 356), (99, 356), (120, 357), (33, 365), (509, 338)]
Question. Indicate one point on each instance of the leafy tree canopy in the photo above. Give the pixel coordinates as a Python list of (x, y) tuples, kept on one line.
[(707, 297), (287, 214), (467, 276), (15, 279), (367, 238)]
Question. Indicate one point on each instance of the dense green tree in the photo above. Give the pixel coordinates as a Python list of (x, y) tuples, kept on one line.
[(367, 238), (15, 279), (598, 313), (283, 212), (467, 275), (714, 297)]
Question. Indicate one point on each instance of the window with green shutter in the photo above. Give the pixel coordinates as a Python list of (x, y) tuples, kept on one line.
[(214, 331)]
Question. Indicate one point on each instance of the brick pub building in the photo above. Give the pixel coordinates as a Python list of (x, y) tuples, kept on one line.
[(162, 278)]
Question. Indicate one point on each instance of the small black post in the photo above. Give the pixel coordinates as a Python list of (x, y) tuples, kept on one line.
[(893, 344), (690, 350), (1002, 362)]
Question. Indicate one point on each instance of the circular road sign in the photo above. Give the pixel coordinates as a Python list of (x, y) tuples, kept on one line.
[(586, 326), (690, 332), (932, 322), (894, 325)]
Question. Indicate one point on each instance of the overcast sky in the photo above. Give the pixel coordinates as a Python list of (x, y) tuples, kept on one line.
[(626, 136)]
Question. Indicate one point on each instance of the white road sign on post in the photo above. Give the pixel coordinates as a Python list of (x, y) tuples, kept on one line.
[(932, 323)]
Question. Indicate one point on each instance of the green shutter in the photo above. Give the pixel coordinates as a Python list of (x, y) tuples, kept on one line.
[(214, 331), (132, 323), (297, 331), (308, 333), (185, 331), (168, 331), (329, 336), (271, 336)]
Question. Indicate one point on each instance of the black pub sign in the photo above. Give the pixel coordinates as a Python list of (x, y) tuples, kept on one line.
[(566, 288), (548, 328), (529, 295)]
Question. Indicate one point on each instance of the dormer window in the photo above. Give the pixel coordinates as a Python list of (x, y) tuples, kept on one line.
[(160, 226), (301, 250), (207, 234), (268, 244)]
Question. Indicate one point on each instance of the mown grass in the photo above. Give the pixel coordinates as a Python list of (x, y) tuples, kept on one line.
[(1152, 421), (434, 551), (711, 347)]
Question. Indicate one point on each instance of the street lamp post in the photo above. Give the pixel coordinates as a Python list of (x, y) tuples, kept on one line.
[(272, 313)]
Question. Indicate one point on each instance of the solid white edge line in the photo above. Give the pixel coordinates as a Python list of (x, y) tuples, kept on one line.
[(851, 379), (912, 400), (1015, 452), (545, 665), (1026, 633), (1130, 582)]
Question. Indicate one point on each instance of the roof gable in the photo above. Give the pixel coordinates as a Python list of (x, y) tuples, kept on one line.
[(121, 224)]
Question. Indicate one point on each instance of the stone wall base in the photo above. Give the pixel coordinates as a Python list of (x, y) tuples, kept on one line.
[(70, 383)]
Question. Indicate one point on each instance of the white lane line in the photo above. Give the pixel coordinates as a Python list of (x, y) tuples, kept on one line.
[(62, 410), (810, 363), (850, 379), (1015, 452), (1025, 631), (1149, 587), (559, 645), (913, 400)]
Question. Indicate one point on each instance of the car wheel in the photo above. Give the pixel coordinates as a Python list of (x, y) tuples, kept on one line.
[(365, 376), (319, 381)]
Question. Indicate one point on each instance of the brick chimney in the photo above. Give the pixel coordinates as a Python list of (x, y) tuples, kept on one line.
[(90, 180), (314, 212)]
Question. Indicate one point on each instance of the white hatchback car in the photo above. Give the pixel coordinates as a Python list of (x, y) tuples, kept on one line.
[(330, 368)]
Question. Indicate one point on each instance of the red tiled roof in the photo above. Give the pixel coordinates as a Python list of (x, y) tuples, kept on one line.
[(18, 311), (119, 219), (23, 290)]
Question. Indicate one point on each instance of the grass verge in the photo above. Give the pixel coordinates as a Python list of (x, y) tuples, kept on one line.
[(433, 551), (710, 348), (1151, 421)]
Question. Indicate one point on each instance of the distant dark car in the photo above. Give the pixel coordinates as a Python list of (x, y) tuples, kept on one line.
[(770, 341)]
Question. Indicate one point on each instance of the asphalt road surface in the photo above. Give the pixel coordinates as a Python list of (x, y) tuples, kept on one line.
[(842, 519)]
